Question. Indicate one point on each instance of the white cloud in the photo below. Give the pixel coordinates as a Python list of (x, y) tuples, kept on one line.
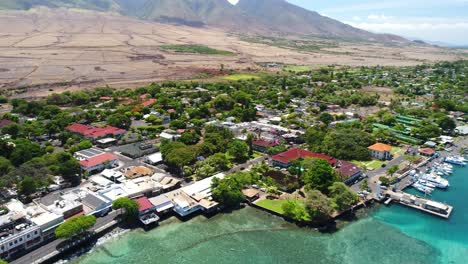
[(450, 30), (379, 17), (395, 4), (233, 2), (356, 18)]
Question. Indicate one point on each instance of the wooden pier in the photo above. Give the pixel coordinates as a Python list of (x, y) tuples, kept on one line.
[(422, 204)]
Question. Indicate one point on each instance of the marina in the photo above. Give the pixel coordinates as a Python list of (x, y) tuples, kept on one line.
[(426, 183)]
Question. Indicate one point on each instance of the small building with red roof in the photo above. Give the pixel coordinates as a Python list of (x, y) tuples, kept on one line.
[(348, 172), (284, 159), (263, 145), (99, 162), (94, 133), (427, 152), (146, 211)]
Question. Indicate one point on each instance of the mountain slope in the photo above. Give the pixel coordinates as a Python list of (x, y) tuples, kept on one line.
[(248, 16)]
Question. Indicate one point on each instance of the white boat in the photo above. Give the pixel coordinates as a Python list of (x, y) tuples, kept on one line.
[(426, 183), (422, 188), (438, 181), (455, 160)]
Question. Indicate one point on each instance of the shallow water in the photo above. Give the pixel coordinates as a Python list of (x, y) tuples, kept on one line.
[(391, 235)]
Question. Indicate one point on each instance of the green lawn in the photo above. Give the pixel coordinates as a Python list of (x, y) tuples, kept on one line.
[(397, 151), (273, 205), (197, 49), (373, 164), (297, 68), (238, 77)]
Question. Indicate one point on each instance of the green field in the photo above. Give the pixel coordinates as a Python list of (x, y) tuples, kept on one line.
[(196, 49), (272, 205), (238, 77), (370, 165), (297, 68)]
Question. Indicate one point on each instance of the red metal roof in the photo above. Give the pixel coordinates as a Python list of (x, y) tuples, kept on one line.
[(94, 132), (149, 102), (347, 169), (99, 159), (144, 204), (264, 143), (296, 153), (427, 151)]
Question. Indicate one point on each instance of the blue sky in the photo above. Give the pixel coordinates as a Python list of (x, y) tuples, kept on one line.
[(434, 20)]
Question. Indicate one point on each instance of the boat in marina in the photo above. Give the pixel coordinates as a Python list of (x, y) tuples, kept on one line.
[(427, 183), (438, 181), (460, 161), (424, 189)]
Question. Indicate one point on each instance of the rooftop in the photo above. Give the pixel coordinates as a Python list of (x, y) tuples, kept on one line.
[(99, 159), (380, 147), (94, 132), (296, 153), (265, 143), (347, 169), (144, 204), (137, 171)]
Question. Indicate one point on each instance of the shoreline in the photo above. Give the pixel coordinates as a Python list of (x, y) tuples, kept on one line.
[(338, 223)]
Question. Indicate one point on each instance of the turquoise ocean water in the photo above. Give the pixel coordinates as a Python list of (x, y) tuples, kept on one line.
[(389, 235)]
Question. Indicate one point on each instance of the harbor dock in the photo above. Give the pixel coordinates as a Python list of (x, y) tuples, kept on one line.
[(422, 204)]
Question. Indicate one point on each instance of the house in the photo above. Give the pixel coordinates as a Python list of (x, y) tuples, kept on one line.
[(251, 194), (99, 162), (284, 159), (430, 144), (154, 159), (146, 211), (137, 172), (429, 152), (348, 172), (263, 145), (381, 151), (162, 204), (194, 197), (95, 133), (106, 142)]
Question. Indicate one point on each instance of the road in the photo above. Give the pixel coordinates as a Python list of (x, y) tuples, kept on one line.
[(247, 164), (52, 246)]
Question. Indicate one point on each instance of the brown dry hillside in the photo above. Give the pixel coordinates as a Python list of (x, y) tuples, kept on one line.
[(79, 49)]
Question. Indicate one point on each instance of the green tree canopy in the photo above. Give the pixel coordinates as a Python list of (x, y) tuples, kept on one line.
[(319, 174), (342, 196), (228, 191), (239, 150), (348, 144), (295, 210), (318, 205), (119, 120), (75, 226), (129, 206)]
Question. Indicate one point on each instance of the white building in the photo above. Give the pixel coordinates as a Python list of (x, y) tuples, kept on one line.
[(17, 232)]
